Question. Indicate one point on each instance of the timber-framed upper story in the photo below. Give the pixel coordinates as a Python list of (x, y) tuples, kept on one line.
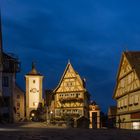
[(70, 81)]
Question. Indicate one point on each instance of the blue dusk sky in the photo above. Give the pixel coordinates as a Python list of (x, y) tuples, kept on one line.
[(91, 33)]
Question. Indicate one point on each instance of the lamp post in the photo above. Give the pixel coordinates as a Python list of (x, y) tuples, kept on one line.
[(51, 116)]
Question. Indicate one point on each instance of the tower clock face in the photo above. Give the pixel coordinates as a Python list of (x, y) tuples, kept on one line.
[(33, 90)]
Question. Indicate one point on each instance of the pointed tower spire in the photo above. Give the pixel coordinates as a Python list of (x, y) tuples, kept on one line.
[(68, 61), (33, 65), (33, 71), (126, 48)]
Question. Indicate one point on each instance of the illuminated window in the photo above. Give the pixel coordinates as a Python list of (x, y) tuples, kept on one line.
[(122, 83), (136, 125)]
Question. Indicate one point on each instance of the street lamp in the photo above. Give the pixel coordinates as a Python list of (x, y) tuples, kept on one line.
[(51, 116)]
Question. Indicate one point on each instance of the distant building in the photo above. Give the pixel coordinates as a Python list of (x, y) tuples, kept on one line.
[(34, 95), (49, 103), (71, 98), (127, 91), (112, 112), (94, 115), (9, 66)]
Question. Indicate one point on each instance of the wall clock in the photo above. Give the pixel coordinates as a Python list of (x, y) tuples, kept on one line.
[(34, 90)]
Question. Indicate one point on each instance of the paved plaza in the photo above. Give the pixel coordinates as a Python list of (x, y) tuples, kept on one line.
[(40, 131)]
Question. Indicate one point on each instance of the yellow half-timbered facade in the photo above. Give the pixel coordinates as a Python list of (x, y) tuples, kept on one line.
[(70, 96), (127, 91)]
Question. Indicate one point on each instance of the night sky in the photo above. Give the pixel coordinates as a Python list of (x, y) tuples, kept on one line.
[(91, 33)]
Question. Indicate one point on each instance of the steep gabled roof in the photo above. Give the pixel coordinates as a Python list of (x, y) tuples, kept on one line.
[(76, 73), (133, 58)]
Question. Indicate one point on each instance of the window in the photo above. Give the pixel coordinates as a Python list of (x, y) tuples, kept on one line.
[(69, 84), (18, 104), (136, 125), (34, 81), (130, 100), (136, 99), (125, 102), (119, 105), (18, 96), (5, 81), (77, 95)]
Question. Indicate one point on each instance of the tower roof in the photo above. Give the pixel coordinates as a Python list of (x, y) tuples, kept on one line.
[(33, 71)]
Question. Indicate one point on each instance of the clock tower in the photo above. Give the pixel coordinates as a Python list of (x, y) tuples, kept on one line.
[(33, 92)]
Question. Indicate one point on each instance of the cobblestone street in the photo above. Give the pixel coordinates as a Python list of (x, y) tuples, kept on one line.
[(40, 131)]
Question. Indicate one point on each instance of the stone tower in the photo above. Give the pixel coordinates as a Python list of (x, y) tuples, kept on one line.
[(33, 92)]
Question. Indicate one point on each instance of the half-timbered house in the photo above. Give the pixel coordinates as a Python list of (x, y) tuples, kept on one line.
[(127, 91), (70, 96)]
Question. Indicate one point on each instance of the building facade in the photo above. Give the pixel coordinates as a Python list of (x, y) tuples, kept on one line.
[(19, 104), (9, 66), (127, 91), (112, 112), (70, 96), (94, 116), (33, 93)]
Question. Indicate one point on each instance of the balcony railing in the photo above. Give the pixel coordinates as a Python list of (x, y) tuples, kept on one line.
[(71, 114), (64, 100)]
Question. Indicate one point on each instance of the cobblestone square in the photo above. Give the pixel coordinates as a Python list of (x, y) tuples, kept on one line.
[(40, 131)]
